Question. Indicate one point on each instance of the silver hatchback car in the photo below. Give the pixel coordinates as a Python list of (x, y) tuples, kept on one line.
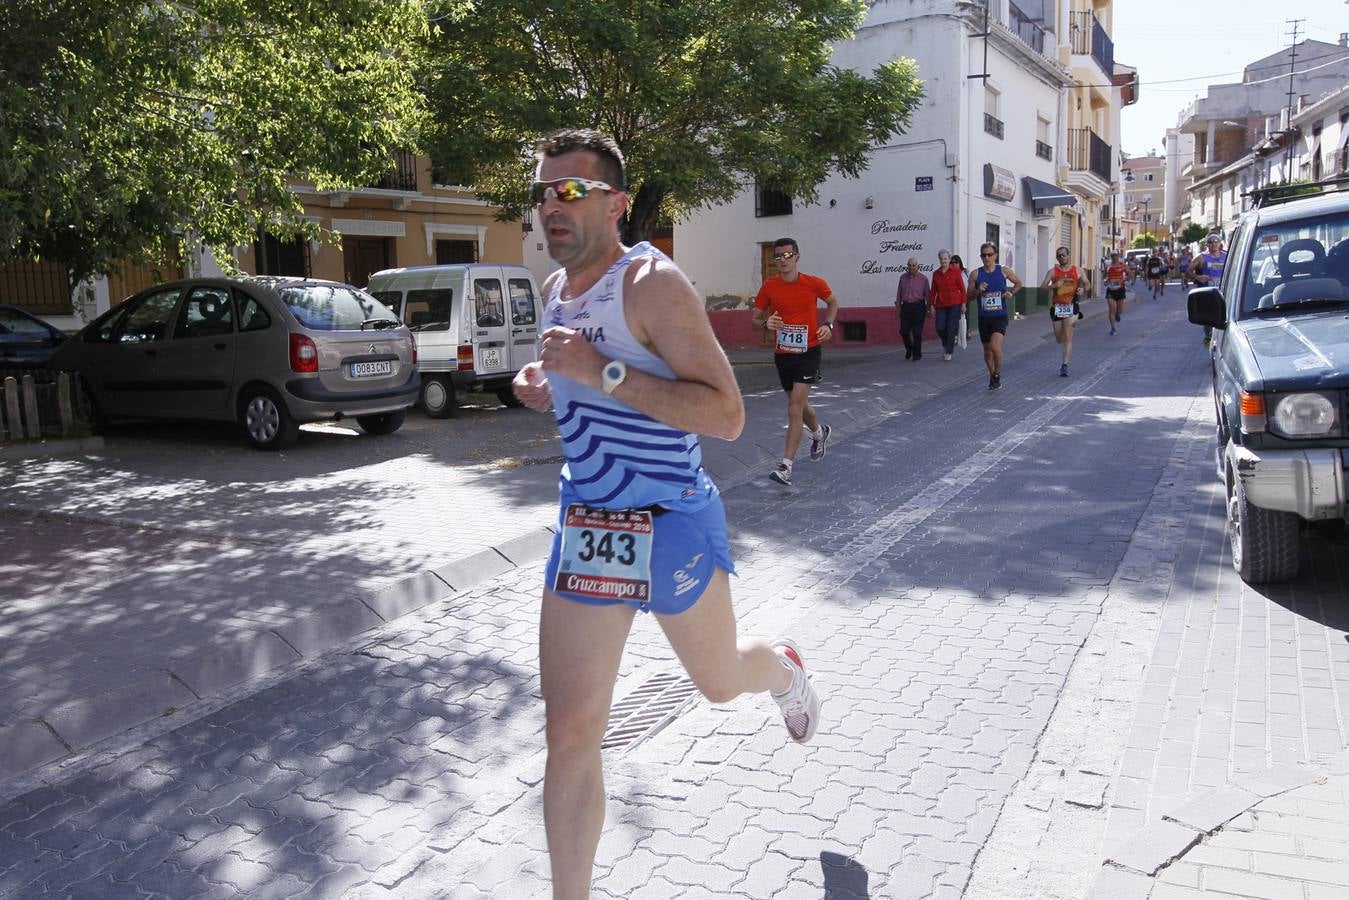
[(269, 353)]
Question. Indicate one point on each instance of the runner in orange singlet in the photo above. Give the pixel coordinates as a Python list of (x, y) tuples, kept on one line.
[(1066, 282)]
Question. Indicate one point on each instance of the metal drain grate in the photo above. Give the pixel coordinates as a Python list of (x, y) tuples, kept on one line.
[(646, 710)]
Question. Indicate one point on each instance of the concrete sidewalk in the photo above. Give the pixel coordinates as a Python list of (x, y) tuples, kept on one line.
[(147, 591)]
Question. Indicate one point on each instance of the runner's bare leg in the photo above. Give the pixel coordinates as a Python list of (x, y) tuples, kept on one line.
[(580, 647), (800, 414), (704, 639)]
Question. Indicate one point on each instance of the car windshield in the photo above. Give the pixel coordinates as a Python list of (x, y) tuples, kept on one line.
[(1297, 266), (334, 307)]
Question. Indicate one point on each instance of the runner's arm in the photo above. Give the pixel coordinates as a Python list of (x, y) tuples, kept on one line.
[(826, 331), (666, 315), (1013, 280)]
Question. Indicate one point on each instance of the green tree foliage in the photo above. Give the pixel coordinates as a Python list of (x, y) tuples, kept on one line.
[(134, 129), (1194, 233), (705, 98), (1144, 241)]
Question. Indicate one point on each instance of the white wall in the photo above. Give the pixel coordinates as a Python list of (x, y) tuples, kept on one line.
[(860, 250)]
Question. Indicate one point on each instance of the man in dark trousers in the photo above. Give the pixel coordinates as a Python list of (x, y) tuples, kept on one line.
[(913, 303)]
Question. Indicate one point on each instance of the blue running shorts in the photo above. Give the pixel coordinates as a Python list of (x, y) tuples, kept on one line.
[(686, 548)]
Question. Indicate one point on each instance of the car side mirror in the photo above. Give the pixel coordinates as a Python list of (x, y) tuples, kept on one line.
[(1207, 307)]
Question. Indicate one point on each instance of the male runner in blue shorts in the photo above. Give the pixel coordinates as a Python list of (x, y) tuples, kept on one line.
[(631, 366)]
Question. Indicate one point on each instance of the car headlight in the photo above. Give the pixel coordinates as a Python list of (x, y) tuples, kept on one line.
[(1305, 415)]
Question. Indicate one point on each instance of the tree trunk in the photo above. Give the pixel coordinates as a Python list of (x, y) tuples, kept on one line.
[(643, 214)]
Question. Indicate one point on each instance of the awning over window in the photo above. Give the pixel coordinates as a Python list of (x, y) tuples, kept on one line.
[(1044, 195)]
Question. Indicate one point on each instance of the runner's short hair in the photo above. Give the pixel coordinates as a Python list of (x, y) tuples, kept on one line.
[(570, 140), (787, 242), (989, 245)]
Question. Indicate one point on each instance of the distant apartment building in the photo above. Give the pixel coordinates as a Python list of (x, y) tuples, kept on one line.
[(1248, 134), (1014, 143), (1142, 199)]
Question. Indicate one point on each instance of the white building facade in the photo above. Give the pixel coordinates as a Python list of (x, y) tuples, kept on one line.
[(978, 163)]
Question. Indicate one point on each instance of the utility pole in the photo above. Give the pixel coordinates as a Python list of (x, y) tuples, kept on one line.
[(1292, 64)]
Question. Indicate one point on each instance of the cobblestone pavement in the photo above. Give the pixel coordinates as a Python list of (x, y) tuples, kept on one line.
[(944, 568)]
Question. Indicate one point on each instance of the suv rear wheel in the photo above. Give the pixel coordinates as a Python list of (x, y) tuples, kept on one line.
[(268, 425), (438, 399), (383, 423), (1264, 541)]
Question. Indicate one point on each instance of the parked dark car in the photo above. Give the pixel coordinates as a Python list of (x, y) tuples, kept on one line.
[(1281, 378), (26, 342), (268, 353)]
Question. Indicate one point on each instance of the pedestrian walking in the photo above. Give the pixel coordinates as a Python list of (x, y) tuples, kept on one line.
[(913, 305), (1114, 290), (1207, 269), (788, 305), (631, 366), (1065, 283), (993, 286), (948, 301)]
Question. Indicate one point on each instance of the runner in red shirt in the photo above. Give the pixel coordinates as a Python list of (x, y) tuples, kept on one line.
[(1066, 282), (788, 306)]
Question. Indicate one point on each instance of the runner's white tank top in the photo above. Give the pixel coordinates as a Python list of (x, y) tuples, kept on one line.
[(617, 457)]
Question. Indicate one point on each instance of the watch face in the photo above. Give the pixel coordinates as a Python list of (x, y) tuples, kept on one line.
[(613, 370)]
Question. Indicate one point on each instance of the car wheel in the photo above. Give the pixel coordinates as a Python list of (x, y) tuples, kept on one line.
[(86, 408), (508, 398), (1264, 541), (438, 399), (384, 423), (268, 425)]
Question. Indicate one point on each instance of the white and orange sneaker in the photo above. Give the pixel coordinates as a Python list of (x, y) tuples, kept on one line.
[(800, 704)]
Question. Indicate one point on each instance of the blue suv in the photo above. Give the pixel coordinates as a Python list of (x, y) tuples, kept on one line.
[(1281, 376)]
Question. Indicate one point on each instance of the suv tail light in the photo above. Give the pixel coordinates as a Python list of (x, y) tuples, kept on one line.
[(304, 354), (466, 357), (414, 348)]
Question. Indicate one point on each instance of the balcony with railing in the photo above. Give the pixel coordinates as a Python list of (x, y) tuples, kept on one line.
[(1089, 38), (403, 175), (993, 125), (1043, 150), (1088, 153), (1023, 26)]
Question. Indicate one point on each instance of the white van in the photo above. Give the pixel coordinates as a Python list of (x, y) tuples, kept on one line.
[(476, 325)]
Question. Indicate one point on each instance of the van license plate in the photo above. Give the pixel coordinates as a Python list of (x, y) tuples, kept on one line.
[(367, 369), (491, 358)]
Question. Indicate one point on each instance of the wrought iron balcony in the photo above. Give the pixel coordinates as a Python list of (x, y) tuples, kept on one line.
[(1088, 153), (403, 175), (1089, 38), (993, 125)]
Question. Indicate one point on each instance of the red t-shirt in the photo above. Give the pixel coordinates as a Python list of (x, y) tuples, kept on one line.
[(948, 288), (797, 302)]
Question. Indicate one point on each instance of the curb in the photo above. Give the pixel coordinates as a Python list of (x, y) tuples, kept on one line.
[(27, 450), (70, 729)]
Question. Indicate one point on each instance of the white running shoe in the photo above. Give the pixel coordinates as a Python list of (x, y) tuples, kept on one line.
[(817, 446), (782, 474), (800, 704)]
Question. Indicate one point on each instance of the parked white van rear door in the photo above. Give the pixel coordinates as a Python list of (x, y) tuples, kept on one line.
[(524, 320), (490, 322)]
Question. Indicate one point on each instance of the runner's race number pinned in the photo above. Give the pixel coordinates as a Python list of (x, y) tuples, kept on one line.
[(606, 554), (793, 338)]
